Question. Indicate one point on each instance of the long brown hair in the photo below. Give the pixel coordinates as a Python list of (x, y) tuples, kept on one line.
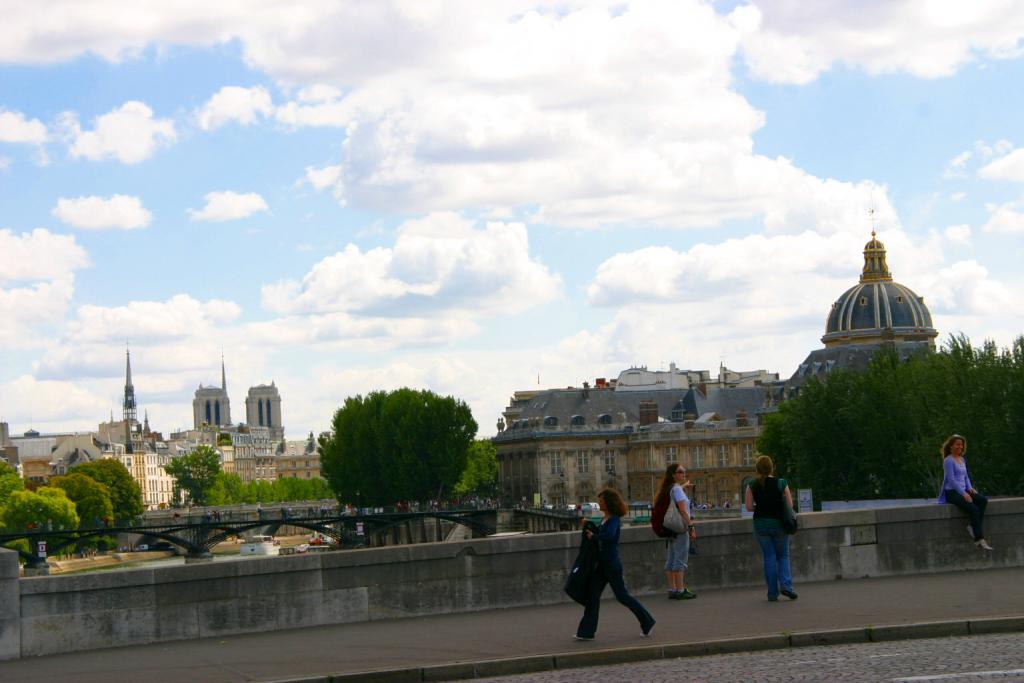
[(667, 481), (613, 501), (947, 445)]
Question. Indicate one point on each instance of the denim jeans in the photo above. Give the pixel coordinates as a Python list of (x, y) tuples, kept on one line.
[(975, 510), (678, 553), (588, 624), (775, 550)]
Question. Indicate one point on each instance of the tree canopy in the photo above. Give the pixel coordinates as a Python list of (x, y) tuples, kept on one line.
[(91, 498), (125, 494), (44, 508), (877, 433), (481, 474), (195, 474), (401, 445)]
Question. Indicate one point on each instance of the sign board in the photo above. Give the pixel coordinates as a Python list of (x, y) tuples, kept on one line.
[(536, 500), (359, 528), (41, 549), (805, 500)]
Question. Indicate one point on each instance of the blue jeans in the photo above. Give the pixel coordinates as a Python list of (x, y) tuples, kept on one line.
[(975, 510), (775, 550), (678, 553), (588, 624)]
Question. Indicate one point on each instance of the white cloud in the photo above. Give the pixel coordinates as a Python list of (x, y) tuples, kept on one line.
[(233, 103), (229, 206), (959, 234), (791, 42), (180, 316), (39, 255), (956, 166), (324, 177), (1008, 167), (120, 211), (14, 127), (128, 134), (1005, 218), (439, 263), (51, 404)]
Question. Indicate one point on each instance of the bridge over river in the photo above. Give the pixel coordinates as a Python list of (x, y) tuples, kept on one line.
[(196, 534)]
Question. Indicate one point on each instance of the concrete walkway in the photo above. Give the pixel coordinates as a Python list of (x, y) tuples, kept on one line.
[(742, 616)]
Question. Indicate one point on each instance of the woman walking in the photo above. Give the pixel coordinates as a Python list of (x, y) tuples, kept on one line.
[(671, 488), (958, 490), (609, 569), (765, 497)]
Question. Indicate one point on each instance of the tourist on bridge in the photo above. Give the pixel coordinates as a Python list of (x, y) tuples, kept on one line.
[(609, 568), (671, 492), (958, 490), (765, 497)]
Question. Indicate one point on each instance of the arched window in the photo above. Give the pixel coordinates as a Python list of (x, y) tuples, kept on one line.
[(270, 422), (216, 412), (259, 408), (550, 421), (604, 419), (209, 418), (577, 420)]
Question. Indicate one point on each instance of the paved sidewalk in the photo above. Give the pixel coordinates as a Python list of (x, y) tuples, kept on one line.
[(529, 631)]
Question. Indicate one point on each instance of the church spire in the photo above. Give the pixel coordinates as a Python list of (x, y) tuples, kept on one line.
[(128, 405), (223, 375)]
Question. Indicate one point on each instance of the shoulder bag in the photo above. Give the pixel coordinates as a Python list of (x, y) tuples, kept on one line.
[(788, 518)]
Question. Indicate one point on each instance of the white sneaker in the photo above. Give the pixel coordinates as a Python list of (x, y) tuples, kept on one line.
[(983, 544), (970, 531)]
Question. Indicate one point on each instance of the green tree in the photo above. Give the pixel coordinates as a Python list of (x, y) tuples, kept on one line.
[(9, 483), (91, 498), (877, 433), (401, 445), (195, 474), (125, 494), (44, 508), (481, 474)]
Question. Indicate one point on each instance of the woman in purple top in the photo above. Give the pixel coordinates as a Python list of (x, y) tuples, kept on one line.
[(958, 490)]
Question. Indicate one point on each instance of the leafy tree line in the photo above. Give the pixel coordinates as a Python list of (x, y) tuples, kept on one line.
[(877, 433), (229, 489)]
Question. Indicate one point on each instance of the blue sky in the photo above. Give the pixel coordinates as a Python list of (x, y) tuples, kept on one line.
[(346, 196)]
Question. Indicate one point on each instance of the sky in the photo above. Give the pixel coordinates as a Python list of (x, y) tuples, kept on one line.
[(478, 198)]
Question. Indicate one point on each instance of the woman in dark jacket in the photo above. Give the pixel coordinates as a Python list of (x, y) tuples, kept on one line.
[(609, 568)]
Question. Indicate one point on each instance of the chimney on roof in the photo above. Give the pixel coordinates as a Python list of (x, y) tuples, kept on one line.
[(648, 412)]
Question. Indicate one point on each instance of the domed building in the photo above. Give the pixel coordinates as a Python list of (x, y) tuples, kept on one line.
[(876, 311)]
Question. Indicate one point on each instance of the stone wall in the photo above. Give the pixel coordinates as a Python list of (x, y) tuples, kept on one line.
[(53, 614)]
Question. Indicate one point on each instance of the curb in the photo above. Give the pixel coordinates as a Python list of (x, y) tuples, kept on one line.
[(571, 660)]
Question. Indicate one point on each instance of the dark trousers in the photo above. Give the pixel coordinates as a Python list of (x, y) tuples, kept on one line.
[(598, 580), (975, 510)]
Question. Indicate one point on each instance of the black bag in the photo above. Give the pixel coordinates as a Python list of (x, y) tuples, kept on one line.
[(788, 518), (578, 581)]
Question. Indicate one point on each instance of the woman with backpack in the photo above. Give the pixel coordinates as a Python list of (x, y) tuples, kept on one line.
[(670, 492), (765, 498)]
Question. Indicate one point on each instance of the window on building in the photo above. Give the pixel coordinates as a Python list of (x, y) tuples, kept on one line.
[(582, 462), (670, 454), (556, 463), (550, 421), (577, 420), (748, 455), (609, 462), (604, 419), (698, 456), (723, 455)]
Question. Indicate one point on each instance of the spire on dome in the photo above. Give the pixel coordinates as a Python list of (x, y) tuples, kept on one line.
[(875, 267)]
